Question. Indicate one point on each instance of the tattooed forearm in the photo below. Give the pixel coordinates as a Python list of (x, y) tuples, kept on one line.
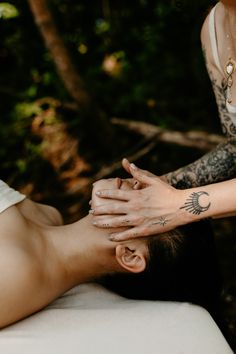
[(193, 204), (218, 165)]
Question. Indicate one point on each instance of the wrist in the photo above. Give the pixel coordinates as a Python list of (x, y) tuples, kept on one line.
[(182, 215), (195, 204)]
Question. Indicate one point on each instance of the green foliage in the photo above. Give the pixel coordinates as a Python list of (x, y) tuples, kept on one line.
[(8, 11), (139, 59)]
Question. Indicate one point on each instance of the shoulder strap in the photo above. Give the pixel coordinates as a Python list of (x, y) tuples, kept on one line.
[(212, 33)]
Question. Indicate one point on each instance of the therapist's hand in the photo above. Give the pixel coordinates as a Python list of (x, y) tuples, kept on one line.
[(153, 209)]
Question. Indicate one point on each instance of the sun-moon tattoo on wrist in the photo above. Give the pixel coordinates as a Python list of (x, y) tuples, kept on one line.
[(192, 204)]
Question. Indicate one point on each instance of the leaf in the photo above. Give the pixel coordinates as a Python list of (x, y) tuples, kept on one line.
[(8, 11)]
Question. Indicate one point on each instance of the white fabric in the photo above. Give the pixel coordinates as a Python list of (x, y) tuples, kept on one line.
[(213, 39), (212, 32), (91, 320), (232, 109), (9, 196)]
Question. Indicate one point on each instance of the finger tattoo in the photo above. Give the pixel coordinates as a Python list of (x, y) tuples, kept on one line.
[(125, 222)]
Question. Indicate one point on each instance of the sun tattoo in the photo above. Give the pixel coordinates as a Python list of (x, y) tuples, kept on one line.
[(192, 204), (162, 221)]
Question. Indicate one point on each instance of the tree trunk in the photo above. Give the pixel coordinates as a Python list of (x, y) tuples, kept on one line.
[(69, 75), (93, 120)]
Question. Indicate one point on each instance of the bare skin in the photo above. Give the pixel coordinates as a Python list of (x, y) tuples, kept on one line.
[(155, 207), (159, 207), (41, 259)]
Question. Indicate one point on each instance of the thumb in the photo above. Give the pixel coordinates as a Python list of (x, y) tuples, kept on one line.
[(141, 175), (126, 165)]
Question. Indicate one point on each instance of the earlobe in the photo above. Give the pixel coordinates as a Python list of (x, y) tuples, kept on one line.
[(132, 259)]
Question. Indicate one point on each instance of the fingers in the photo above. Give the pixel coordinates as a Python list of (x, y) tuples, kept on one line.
[(111, 208), (137, 185), (135, 232), (117, 221), (130, 167), (126, 165), (141, 175), (114, 194)]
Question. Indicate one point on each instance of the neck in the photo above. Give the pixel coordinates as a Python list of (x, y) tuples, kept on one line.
[(81, 251)]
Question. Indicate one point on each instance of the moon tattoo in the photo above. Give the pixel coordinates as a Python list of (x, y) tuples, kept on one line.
[(192, 204)]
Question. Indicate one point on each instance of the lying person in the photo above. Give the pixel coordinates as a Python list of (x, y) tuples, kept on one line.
[(41, 259)]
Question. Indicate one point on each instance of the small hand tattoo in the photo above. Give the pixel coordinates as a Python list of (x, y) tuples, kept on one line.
[(192, 204), (162, 221), (125, 222)]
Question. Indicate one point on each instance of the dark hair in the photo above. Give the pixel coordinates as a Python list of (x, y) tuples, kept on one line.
[(182, 266)]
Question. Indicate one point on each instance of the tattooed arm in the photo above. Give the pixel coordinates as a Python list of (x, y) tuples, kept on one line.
[(218, 165), (159, 207)]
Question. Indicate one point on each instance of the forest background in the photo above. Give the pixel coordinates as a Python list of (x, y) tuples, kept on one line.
[(83, 84)]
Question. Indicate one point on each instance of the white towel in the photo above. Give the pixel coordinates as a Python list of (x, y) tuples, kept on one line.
[(89, 319), (9, 196)]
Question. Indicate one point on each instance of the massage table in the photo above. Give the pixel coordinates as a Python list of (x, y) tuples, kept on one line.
[(89, 319)]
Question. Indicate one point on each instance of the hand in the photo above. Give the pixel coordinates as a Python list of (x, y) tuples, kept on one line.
[(133, 182), (148, 211)]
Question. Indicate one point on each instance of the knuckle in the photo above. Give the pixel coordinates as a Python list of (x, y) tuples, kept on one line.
[(139, 219), (135, 206), (135, 234), (124, 222)]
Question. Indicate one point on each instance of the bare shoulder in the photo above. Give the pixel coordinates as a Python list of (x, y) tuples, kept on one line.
[(40, 213), (20, 284)]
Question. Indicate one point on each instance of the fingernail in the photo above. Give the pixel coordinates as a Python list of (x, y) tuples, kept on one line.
[(91, 211), (98, 193), (94, 223), (111, 238), (132, 165)]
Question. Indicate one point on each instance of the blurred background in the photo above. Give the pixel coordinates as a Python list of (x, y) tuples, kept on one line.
[(83, 84)]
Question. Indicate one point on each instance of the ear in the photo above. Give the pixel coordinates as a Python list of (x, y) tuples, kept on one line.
[(132, 256)]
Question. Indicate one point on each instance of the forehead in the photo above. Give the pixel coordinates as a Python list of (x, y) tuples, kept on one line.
[(110, 183), (113, 183)]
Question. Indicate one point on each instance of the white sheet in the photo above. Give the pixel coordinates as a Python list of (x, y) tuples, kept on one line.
[(90, 320)]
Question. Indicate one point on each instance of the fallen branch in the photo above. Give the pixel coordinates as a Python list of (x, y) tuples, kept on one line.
[(195, 139), (152, 135), (108, 170)]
